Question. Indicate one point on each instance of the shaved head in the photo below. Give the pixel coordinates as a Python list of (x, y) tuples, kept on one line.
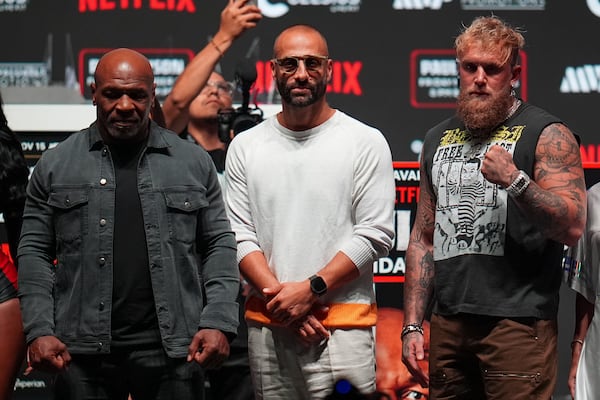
[(298, 37), (123, 91), (125, 61)]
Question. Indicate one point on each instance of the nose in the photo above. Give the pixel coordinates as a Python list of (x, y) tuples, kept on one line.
[(301, 72), (125, 103), (213, 89), (480, 76)]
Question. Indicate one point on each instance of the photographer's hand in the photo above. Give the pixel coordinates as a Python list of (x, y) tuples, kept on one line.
[(236, 18)]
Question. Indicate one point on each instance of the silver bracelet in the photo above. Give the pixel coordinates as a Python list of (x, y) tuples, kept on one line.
[(410, 328), (518, 186)]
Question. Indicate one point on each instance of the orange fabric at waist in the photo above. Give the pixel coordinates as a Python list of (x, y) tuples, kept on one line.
[(340, 315)]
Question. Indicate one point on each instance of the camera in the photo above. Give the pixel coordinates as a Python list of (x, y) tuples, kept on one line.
[(233, 121)]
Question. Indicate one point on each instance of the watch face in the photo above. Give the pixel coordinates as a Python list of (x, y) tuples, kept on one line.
[(318, 285)]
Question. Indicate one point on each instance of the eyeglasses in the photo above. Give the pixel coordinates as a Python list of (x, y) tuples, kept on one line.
[(222, 87), (290, 64)]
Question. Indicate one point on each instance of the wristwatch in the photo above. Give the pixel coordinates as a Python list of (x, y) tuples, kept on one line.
[(518, 186), (317, 285)]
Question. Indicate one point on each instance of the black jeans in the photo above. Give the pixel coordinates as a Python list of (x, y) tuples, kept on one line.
[(147, 374)]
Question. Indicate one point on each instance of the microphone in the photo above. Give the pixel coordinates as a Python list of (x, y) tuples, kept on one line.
[(245, 76)]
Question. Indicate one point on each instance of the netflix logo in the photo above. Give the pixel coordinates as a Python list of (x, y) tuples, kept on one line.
[(159, 5), (391, 269), (344, 80)]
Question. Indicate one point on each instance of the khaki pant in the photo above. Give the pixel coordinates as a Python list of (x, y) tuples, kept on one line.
[(284, 368), (475, 357)]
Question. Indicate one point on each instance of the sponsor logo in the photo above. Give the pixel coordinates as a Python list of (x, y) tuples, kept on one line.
[(590, 153), (24, 74), (583, 79), (594, 6), (13, 5), (21, 384), (527, 5), (159, 5), (418, 4), (277, 9), (167, 64), (391, 269), (434, 78), (345, 79)]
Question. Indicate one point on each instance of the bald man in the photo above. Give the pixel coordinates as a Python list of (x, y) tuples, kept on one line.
[(310, 194), (128, 278)]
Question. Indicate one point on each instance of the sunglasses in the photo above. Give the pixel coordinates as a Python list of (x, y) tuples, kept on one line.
[(290, 64)]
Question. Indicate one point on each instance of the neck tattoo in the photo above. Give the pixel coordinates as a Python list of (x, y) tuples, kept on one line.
[(513, 108)]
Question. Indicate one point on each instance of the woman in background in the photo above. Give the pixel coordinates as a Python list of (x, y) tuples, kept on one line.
[(13, 181)]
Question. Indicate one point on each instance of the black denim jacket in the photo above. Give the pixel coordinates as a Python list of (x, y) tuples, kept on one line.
[(69, 217)]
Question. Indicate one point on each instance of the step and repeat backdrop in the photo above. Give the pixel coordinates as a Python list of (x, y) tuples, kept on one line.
[(394, 68), (394, 65)]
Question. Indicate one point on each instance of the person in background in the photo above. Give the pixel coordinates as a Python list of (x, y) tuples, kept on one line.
[(501, 192), (191, 110), (236, 18), (127, 264), (393, 378), (310, 195), (232, 380), (13, 181), (582, 272)]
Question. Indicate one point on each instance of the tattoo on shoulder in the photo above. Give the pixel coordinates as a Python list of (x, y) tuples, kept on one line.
[(557, 149)]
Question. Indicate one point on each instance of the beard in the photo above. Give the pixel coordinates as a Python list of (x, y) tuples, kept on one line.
[(482, 115), (317, 91)]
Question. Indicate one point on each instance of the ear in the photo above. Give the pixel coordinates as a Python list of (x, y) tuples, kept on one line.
[(516, 75), (272, 69), (93, 88), (329, 70)]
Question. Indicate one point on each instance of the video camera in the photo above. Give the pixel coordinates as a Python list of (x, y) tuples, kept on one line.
[(239, 119)]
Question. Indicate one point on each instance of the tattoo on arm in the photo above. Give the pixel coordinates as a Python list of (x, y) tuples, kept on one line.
[(418, 287), (556, 200)]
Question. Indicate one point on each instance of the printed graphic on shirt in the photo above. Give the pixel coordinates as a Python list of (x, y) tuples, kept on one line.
[(471, 211)]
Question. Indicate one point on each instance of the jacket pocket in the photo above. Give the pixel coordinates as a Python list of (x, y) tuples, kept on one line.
[(70, 213), (183, 207)]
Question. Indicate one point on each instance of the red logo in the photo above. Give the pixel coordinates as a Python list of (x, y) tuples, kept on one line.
[(434, 78), (159, 5), (344, 80), (167, 65)]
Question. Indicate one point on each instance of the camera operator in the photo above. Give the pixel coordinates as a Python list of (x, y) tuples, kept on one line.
[(236, 18), (203, 124), (191, 109)]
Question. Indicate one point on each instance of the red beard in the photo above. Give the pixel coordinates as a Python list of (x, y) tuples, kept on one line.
[(483, 114)]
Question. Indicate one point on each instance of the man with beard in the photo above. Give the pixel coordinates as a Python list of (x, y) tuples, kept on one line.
[(495, 298), (128, 279), (310, 196)]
